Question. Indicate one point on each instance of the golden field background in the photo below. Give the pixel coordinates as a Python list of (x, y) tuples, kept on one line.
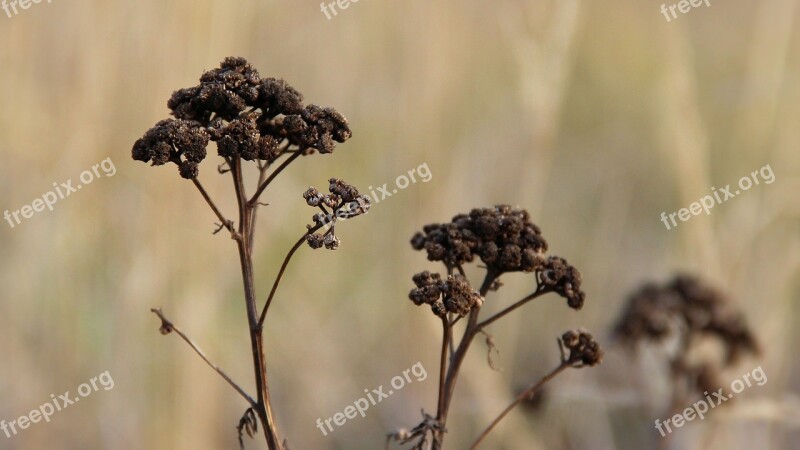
[(594, 116)]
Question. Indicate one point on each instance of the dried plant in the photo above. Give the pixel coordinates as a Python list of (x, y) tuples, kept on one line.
[(262, 121), (680, 316), (505, 241), (687, 311)]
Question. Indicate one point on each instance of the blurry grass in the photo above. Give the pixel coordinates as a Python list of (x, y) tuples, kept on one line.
[(595, 117)]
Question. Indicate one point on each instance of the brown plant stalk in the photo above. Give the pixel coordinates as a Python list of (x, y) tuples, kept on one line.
[(261, 120), (505, 240)]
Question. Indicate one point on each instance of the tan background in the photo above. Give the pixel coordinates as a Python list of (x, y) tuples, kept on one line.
[(594, 115)]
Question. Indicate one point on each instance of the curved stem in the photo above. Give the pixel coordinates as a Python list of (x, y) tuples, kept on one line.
[(285, 264), (538, 293), (167, 326), (527, 393), (272, 176), (228, 224)]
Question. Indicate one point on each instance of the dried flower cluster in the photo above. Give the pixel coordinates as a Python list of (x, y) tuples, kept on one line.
[(502, 237), (558, 275), (505, 240), (700, 310), (452, 295), (690, 310), (345, 203), (583, 349), (246, 115)]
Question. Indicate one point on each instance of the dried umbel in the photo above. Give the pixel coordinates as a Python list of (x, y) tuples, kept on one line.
[(452, 295), (557, 275), (502, 237), (345, 203), (690, 307), (688, 310), (254, 118), (505, 240), (502, 240), (583, 350)]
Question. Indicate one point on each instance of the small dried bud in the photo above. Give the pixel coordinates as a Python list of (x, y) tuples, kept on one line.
[(320, 219), (330, 200), (314, 241), (583, 350), (312, 196), (331, 242)]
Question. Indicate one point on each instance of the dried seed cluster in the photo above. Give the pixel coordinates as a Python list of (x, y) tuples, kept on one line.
[(451, 295), (502, 237), (583, 349), (345, 203), (700, 310), (690, 310), (556, 274), (505, 240), (246, 115)]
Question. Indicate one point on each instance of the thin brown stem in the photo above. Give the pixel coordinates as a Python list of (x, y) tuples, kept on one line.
[(263, 406), (262, 174), (450, 337), (457, 359), (272, 176), (228, 224), (278, 278), (527, 393), (446, 336), (241, 195), (537, 293), (167, 326)]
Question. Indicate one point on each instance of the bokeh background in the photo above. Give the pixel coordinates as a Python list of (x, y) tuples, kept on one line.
[(594, 116)]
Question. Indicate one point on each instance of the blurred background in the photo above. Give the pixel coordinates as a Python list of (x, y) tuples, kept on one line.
[(594, 116)]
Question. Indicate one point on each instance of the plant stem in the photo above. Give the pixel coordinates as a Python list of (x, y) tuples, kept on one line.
[(262, 174), (263, 407), (272, 176), (228, 224), (527, 393), (167, 326), (446, 335), (456, 360), (537, 293), (281, 271)]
